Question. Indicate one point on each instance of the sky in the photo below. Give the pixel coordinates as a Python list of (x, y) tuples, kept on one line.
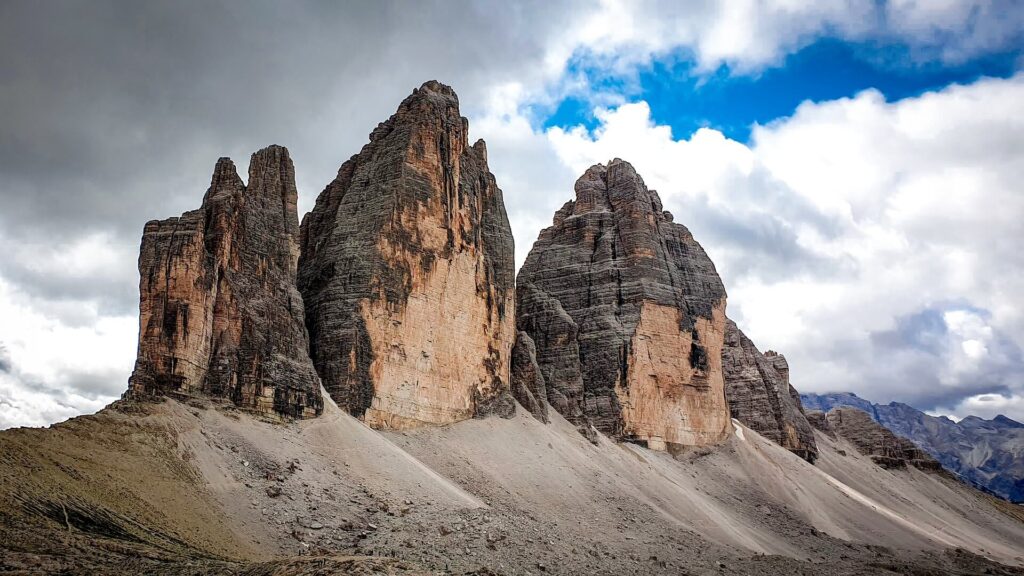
[(854, 169)]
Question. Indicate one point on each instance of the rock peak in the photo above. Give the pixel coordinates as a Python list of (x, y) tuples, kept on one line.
[(616, 186), (609, 295), (438, 88), (224, 175), (876, 441), (274, 151), (433, 106), (224, 164), (407, 273)]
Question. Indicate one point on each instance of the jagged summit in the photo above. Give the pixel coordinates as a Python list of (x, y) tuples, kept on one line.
[(874, 440), (984, 452), (407, 273), (433, 86), (220, 315), (592, 188), (1005, 421)]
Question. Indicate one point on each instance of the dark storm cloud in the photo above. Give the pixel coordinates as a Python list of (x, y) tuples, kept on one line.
[(91, 385), (113, 289), (115, 112), (755, 234)]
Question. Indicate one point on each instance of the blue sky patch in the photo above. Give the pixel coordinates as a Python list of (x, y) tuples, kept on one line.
[(686, 100)]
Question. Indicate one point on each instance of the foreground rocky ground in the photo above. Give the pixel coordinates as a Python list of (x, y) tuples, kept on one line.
[(171, 488)]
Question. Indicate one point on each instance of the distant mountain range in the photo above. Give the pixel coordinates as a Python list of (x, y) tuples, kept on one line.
[(987, 453)]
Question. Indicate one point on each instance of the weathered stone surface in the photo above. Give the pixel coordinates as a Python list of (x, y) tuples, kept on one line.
[(760, 395), (628, 316), (872, 439), (220, 312), (526, 380), (407, 273)]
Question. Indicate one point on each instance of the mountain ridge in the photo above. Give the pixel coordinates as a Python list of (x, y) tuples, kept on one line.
[(968, 448)]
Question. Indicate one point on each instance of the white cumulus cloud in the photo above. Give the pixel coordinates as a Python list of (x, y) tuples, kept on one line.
[(874, 242)]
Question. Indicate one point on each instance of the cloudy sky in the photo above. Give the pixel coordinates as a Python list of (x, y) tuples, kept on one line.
[(855, 169)]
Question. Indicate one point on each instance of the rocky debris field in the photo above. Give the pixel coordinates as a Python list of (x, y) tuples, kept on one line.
[(205, 489)]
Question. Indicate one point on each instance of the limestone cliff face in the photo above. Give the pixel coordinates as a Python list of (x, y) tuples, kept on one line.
[(628, 316), (220, 312), (760, 395), (407, 273)]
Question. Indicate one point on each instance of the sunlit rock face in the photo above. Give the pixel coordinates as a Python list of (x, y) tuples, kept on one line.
[(220, 313), (627, 314), (407, 273), (760, 395)]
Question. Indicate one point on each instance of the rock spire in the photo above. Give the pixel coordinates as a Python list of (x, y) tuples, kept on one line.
[(220, 313)]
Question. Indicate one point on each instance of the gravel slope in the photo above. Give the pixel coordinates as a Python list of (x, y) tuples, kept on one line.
[(176, 489)]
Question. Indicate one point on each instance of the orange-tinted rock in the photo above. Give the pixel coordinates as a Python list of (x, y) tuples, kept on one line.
[(628, 316), (407, 273), (220, 315)]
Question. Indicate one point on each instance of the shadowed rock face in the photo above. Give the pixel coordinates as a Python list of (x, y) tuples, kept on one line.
[(220, 313), (759, 394), (407, 273), (527, 382), (628, 316), (872, 439)]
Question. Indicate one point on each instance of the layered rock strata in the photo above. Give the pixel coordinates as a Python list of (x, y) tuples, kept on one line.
[(220, 314), (627, 314), (872, 439), (407, 273), (760, 395)]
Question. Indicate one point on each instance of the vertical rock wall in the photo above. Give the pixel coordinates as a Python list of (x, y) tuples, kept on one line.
[(759, 394), (220, 312), (407, 273), (628, 316)]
